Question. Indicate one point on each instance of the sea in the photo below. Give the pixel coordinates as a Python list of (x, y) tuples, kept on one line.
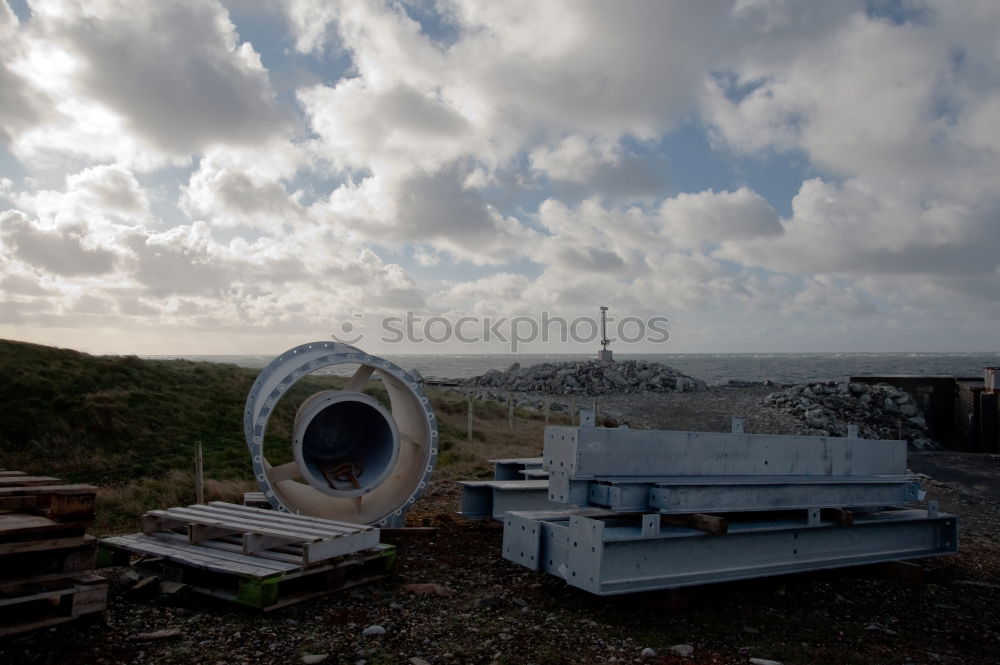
[(713, 368)]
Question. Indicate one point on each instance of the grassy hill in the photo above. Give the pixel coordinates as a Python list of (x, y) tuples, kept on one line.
[(130, 426)]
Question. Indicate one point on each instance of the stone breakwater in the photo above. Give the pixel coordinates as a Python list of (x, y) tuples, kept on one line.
[(585, 378), (880, 411)]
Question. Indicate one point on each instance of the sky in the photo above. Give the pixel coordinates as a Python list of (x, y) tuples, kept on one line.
[(241, 176)]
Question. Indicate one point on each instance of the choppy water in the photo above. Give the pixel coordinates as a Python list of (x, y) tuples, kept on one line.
[(713, 368)]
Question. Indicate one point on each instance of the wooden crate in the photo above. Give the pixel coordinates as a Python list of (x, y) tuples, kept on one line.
[(262, 580), (42, 601)]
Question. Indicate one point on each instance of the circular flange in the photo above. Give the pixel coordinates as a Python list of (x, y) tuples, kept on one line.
[(345, 443), (383, 504)]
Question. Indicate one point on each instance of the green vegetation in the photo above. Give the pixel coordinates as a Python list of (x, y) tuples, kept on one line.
[(131, 425), (110, 419)]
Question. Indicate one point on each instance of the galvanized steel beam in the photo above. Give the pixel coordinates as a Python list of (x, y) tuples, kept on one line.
[(492, 499), (698, 494), (608, 556), (583, 453), (514, 468)]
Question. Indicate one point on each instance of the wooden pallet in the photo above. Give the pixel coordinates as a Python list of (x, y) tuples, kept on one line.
[(53, 499), (261, 580), (41, 512), (46, 557), (268, 533), (43, 601), (43, 524)]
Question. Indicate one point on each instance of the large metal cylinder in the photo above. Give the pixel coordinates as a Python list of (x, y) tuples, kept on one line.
[(355, 459)]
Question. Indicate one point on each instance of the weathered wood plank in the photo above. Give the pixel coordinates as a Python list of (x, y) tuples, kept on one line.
[(51, 488), (199, 556), (42, 545), (12, 524), (179, 516), (285, 554), (22, 481), (273, 514), (275, 518), (288, 529), (708, 523), (233, 548)]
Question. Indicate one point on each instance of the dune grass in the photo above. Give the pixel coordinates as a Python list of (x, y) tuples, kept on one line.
[(131, 425)]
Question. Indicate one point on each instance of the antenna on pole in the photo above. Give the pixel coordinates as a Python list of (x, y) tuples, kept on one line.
[(604, 355)]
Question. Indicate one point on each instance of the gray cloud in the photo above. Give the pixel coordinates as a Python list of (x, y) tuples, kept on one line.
[(591, 259), (21, 105), (175, 72), (60, 251), (22, 285), (177, 264)]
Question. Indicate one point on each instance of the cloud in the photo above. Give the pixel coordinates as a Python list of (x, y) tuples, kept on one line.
[(24, 284), (599, 166), (21, 105), (514, 154), (895, 103), (236, 198), (716, 218), (414, 113), (434, 209), (104, 193), (68, 250), (109, 188), (853, 229), (141, 83), (184, 275)]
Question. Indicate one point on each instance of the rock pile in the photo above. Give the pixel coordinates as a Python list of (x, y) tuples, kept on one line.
[(586, 378), (880, 411)]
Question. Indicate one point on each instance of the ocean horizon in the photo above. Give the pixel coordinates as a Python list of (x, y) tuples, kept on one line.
[(713, 368)]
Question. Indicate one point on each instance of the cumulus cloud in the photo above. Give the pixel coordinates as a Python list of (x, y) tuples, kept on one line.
[(599, 166), (106, 192), (716, 218), (429, 208), (853, 229), (185, 274), (68, 249), (418, 110), (461, 138), (142, 83), (110, 188)]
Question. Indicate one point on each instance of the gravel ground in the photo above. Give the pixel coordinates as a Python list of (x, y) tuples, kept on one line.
[(486, 610), (711, 410)]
